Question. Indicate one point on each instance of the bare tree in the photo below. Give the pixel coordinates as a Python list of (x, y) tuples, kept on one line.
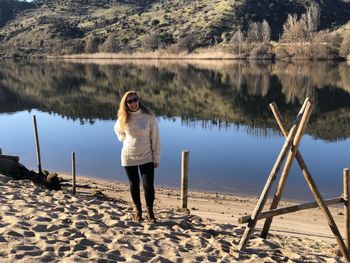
[(293, 29), (254, 32), (265, 31), (238, 39), (288, 27), (312, 18)]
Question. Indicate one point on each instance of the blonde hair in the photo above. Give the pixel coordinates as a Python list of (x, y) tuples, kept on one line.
[(124, 113)]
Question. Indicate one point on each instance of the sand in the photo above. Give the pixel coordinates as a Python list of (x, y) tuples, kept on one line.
[(39, 225)]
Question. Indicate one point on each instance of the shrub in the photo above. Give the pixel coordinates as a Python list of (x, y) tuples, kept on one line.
[(91, 44), (151, 42), (157, 40), (187, 43), (110, 45), (345, 45), (317, 51), (281, 52), (166, 39), (155, 22), (261, 51), (74, 46), (173, 49)]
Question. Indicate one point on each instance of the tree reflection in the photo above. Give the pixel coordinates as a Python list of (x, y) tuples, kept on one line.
[(216, 93)]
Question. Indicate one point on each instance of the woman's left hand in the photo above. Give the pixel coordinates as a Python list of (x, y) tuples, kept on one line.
[(156, 165)]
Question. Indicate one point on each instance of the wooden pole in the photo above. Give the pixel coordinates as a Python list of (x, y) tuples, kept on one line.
[(290, 209), (285, 172), (73, 173), (37, 144), (346, 207), (184, 178), (314, 189), (263, 197)]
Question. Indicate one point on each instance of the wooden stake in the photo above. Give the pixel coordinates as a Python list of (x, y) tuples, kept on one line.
[(38, 157), (286, 169), (346, 207), (290, 209), (73, 173), (184, 178), (263, 197), (314, 189)]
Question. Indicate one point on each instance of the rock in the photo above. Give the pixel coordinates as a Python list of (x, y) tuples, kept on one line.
[(11, 167), (8, 165), (53, 182), (99, 195)]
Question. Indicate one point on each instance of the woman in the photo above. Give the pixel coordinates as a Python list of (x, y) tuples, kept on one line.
[(137, 128)]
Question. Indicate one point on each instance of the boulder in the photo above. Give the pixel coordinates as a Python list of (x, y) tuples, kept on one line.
[(9, 164)]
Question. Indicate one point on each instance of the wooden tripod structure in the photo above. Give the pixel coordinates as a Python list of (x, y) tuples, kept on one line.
[(290, 151)]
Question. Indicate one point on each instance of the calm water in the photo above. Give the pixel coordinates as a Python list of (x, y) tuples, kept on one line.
[(217, 110)]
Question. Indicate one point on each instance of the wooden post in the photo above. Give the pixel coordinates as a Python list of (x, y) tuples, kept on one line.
[(346, 207), (73, 173), (263, 197), (290, 209), (38, 157), (314, 189), (286, 169), (184, 178)]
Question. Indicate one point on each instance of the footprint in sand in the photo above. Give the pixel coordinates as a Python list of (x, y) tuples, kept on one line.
[(29, 234), (115, 256), (14, 233), (63, 248), (42, 219)]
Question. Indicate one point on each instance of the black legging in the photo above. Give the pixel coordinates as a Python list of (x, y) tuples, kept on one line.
[(147, 174)]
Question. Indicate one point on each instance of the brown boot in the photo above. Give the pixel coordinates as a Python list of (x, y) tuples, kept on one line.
[(150, 216), (137, 217)]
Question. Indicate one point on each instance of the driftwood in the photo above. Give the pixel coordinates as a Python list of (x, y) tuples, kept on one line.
[(10, 166), (290, 209)]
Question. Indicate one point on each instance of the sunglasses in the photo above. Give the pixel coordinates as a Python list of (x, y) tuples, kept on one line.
[(134, 100)]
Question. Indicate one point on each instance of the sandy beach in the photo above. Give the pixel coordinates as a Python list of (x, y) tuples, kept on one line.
[(39, 225)]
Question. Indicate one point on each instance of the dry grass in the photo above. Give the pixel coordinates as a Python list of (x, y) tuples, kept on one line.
[(206, 64), (200, 54)]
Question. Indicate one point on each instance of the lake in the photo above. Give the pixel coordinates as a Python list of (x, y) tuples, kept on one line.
[(218, 110)]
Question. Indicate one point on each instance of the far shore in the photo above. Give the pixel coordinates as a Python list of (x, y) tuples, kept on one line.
[(198, 55)]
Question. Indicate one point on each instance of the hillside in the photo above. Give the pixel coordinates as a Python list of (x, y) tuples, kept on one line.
[(70, 26)]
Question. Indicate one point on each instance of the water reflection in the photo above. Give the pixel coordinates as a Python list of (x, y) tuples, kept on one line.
[(217, 93)]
